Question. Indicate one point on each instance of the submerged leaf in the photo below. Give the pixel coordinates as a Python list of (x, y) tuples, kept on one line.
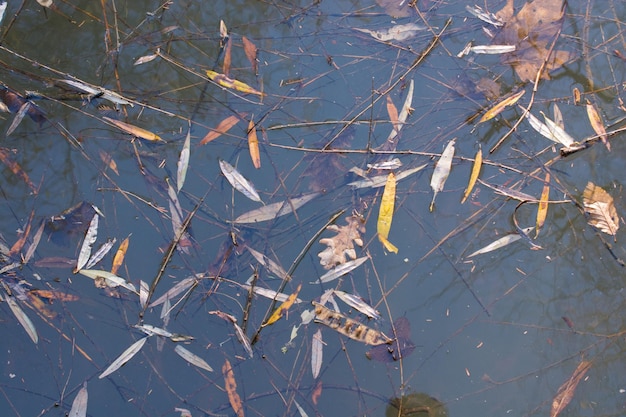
[(241, 336), (223, 127), (22, 318), (381, 180), (349, 327), (251, 52), (341, 269), (442, 170), (601, 209), (566, 391), (183, 161), (79, 405), (231, 388), (500, 243), (127, 355), (274, 210), (253, 145), (401, 347), (395, 33), (358, 303), (542, 209), (597, 124)]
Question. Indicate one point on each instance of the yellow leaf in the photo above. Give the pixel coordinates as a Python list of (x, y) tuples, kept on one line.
[(478, 163), (134, 130), (231, 388), (385, 215), (226, 82), (542, 210), (278, 313), (253, 145), (499, 107), (387, 244), (119, 256), (223, 127), (597, 124)]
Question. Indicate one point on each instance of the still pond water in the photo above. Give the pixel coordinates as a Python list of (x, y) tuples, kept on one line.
[(494, 334)]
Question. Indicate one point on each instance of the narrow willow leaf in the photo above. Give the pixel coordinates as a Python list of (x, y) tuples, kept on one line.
[(404, 113), (380, 180), (241, 336), (111, 280), (387, 203), (19, 116), (33, 246), (492, 49), (597, 124), (542, 209), (251, 52), (22, 318), (272, 266), (145, 59), (478, 163), (342, 269), (98, 91), (442, 170), (391, 164), (182, 286), (387, 244), (500, 243), (392, 111), (274, 210), (134, 130), (90, 238), (127, 355), (226, 82), (223, 127), (231, 388), (485, 16), (317, 353), (270, 294), (349, 327), (599, 204), (558, 116), (358, 303), (558, 132), (552, 131), (192, 358), (79, 405), (501, 105), (300, 409), (151, 330), (183, 161), (283, 308), (253, 145), (100, 253), (223, 30), (566, 391), (227, 57), (143, 293), (239, 182), (118, 259)]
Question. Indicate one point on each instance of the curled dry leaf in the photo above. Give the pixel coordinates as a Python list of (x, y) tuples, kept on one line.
[(566, 391), (601, 209), (231, 388), (341, 247)]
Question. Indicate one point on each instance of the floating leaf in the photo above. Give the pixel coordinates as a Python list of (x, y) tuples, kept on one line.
[(395, 33), (478, 162), (501, 105), (385, 214), (79, 405), (284, 307), (22, 318), (192, 358), (145, 59), (19, 116), (183, 285), (317, 353), (558, 116), (272, 266), (90, 238), (223, 30), (111, 280), (144, 289), (223, 127), (183, 161), (231, 389), (392, 111), (241, 336), (227, 57), (100, 253), (601, 209), (151, 330), (226, 82), (500, 243), (176, 214), (566, 391), (381, 180), (98, 91), (388, 165), (341, 269), (118, 259), (134, 130), (127, 355), (251, 53), (492, 49), (253, 145), (552, 131), (396, 8), (349, 327), (597, 124), (183, 412), (238, 181), (442, 170), (542, 209), (274, 210), (358, 303), (33, 246), (341, 247), (391, 142)]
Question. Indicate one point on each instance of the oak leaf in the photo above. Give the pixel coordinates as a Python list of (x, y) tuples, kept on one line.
[(341, 247)]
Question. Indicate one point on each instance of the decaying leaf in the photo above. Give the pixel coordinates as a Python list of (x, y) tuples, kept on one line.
[(274, 210), (380, 180), (358, 303), (601, 209), (251, 53), (109, 161), (317, 353), (500, 243), (227, 57), (239, 182), (192, 358), (79, 405), (385, 214), (183, 161), (22, 318), (349, 327), (241, 336), (442, 170), (7, 159), (492, 49), (127, 355), (90, 238), (134, 130), (54, 295), (341, 247), (223, 127), (478, 162), (597, 124), (395, 33), (118, 259), (231, 388), (392, 111), (113, 97), (19, 243), (401, 347), (110, 280), (284, 307), (253, 145), (542, 209), (396, 9), (501, 105), (226, 82), (566, 391)]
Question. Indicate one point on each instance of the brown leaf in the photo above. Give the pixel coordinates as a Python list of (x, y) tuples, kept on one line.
[(341, 247), (227, 57), (19, 244), (601, 209), (566, 391), (223, 127), (393, 113), (317, 392), (597, 124), (118, 259), (231, 388), (349, 327), (253, 145), (251, 53), (6, 159)]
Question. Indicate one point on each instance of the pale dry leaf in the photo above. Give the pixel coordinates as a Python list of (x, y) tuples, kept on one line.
[(566, 391), (341, 247), (601, 209)]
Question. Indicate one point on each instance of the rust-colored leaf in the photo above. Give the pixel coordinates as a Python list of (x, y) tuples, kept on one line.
[(231, 388), (500, 106), (478, 163), (19, 244), (393, 114), (251, 52), (223, 127), (227, 57), (109, 161), (40, 306), (118, 259), (542, 210), (227, 82), (317, 392), (286, 305), (566, 391), (597, 124), (5, 157), (253, 145), (134, 130), (54, 295), (601, 209)]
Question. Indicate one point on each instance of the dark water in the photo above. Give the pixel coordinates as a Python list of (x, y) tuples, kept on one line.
[(489, 332)]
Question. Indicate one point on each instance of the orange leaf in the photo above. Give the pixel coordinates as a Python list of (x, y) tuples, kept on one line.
[(253, 145), (251, 52), (231, 388), (393, 113), (566, 391), (226, 82), (317, 392), (226, 66), (54, 295), (223, 127), (499, 107), (15, 168), (119, 256), (542, 210), (17, 246), (278, 313), (134, 130)]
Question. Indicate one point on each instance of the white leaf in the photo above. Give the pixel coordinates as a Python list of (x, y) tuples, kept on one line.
[(143, 293), (183, 412), (404, 113), (270, 294), (31, 249), (106, 94), (268, 263), (503, 241), (300, 409), (192, 358), (391, 164), (183, 161), (442, 170), (358, 304), (486, 17), (342, 269), (124, 357), (100, 253), (19, 116), (3, 7), (112, 280), (317, 353), (79, 405), (145, 59), (174, 291), (90, 239), (492, 49), (238, 181), (381, 180), (152, 330), (274, 210), (395, 33), (22, 318), (559, 134)]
